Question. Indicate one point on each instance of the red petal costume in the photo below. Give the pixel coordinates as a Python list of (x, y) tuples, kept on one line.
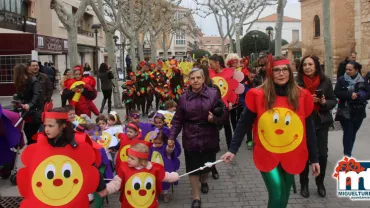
[(57, 176), (226, 83), (279, 134), (140, 188)]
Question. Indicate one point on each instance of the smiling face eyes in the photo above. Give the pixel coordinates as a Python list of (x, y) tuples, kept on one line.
[(136, 183), (50, 171), (287, 118)]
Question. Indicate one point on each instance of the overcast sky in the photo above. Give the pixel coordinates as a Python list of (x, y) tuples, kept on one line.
[(209, 26)]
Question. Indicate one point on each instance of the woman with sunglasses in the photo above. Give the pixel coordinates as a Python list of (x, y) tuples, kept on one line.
[(284, 133), (261, 71)]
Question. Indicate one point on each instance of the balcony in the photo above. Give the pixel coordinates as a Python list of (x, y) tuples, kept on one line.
[(85, 32), (14, 21)]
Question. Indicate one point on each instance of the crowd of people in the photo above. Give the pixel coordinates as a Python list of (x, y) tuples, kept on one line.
[(286, 119)]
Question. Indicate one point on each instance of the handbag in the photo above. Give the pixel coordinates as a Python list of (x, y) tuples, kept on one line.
[(326, 118), (342, 113)]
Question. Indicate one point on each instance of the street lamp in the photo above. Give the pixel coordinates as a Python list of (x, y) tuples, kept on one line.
[(255, 38), (269, 30), (95, 27)]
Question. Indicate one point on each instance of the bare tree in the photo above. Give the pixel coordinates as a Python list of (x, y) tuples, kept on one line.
[(69, 21), (240, 11), (327, 39), (279, 26), (109, 29)]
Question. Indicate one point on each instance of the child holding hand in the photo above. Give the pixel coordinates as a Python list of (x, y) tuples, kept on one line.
[(167, 155), (138, 179)]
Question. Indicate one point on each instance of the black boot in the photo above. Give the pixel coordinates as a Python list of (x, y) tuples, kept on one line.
[(304, 190), (214, 171), (102, 105), (321, 190), (109, 105)]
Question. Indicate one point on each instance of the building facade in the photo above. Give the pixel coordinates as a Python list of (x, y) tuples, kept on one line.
[(291, 30), (213, 44), (350, 30), (33, 31), (179, 42)]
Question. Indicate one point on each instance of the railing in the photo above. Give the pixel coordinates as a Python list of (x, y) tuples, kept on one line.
[(85, 32), (14, 21)]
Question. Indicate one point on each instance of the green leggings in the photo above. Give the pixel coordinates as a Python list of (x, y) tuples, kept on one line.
[(278, 184)]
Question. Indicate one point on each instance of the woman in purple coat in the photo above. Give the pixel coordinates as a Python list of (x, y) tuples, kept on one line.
[(199, 111)]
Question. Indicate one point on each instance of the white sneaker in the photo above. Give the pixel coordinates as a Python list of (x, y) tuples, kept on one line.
[(91, 197)]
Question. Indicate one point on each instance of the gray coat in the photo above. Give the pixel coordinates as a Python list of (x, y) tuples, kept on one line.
[(106, 80)]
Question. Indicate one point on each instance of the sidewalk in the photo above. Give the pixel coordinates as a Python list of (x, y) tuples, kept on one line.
[(240, 184)]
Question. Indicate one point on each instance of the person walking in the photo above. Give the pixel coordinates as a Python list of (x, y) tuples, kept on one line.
[(311, 77), (46, 85), (197, 115), (284, 133), (353, 93), (106, 76), (28, 91)]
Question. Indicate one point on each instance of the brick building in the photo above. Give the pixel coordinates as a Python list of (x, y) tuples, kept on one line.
[(350, 29)]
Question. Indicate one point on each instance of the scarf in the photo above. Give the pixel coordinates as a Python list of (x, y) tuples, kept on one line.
[(352, 81), (311, 85)]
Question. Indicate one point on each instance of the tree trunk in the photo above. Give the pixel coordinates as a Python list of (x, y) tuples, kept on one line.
[(153, 48), (237, 40), (231, 48), (279, 26), (140, 47), (165, 49), (112, 63), (327, 40), (223, 48), (133, 54), (74, 57)]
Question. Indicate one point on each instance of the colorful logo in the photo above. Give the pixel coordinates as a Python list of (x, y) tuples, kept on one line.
[(353, 179)]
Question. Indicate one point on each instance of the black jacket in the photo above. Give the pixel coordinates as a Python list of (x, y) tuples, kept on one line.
[(106, 80), (31, 95), (260, 78), (323, 118), (345, 98)]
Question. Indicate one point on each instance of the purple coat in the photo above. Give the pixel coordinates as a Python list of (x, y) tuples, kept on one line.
[(192, 118)]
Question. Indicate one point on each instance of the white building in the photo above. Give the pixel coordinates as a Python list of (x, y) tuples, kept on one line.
[(291, 31)]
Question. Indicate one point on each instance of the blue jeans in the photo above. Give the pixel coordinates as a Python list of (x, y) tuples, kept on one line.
[(350, 128)]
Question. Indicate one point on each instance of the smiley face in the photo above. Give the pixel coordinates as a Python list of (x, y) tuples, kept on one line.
[(104, 140), (150, 136), (123, 153), (57, 180), (280, 130), (157, 158), (140, 190), (222, 85)]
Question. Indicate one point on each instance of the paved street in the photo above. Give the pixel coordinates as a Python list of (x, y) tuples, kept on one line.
[(240, 184)]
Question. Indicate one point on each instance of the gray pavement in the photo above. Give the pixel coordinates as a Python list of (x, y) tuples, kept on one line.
[(240, 183)]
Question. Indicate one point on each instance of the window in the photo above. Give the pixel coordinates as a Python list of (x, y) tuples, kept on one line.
[(180, 15), (295, 35), (7, 64), (181, 38), (317, 26), (14, 6)]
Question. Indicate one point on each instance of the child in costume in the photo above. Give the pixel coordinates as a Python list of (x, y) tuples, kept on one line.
[(284, 133), (139, 180), (106, 136), (60, 159), (165, 94), (145, 128), (166, 155), (125, 140), (158, 80), (128, 94), (177, 80), (114, 122), (142, 83)]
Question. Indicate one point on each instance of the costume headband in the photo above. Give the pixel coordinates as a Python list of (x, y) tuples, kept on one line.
[(78, 68), (135, 115), (114, 114), (131, 125), (159, 115), (232, 61), (56, 115), (281, 62), (140, 155), (132, 74)]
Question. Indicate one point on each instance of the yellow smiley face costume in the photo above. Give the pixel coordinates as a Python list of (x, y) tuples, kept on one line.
[(280, 135)]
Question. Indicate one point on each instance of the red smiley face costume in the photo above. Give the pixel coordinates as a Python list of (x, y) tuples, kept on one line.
[(226, 83), (57, 176), (280, 133)]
